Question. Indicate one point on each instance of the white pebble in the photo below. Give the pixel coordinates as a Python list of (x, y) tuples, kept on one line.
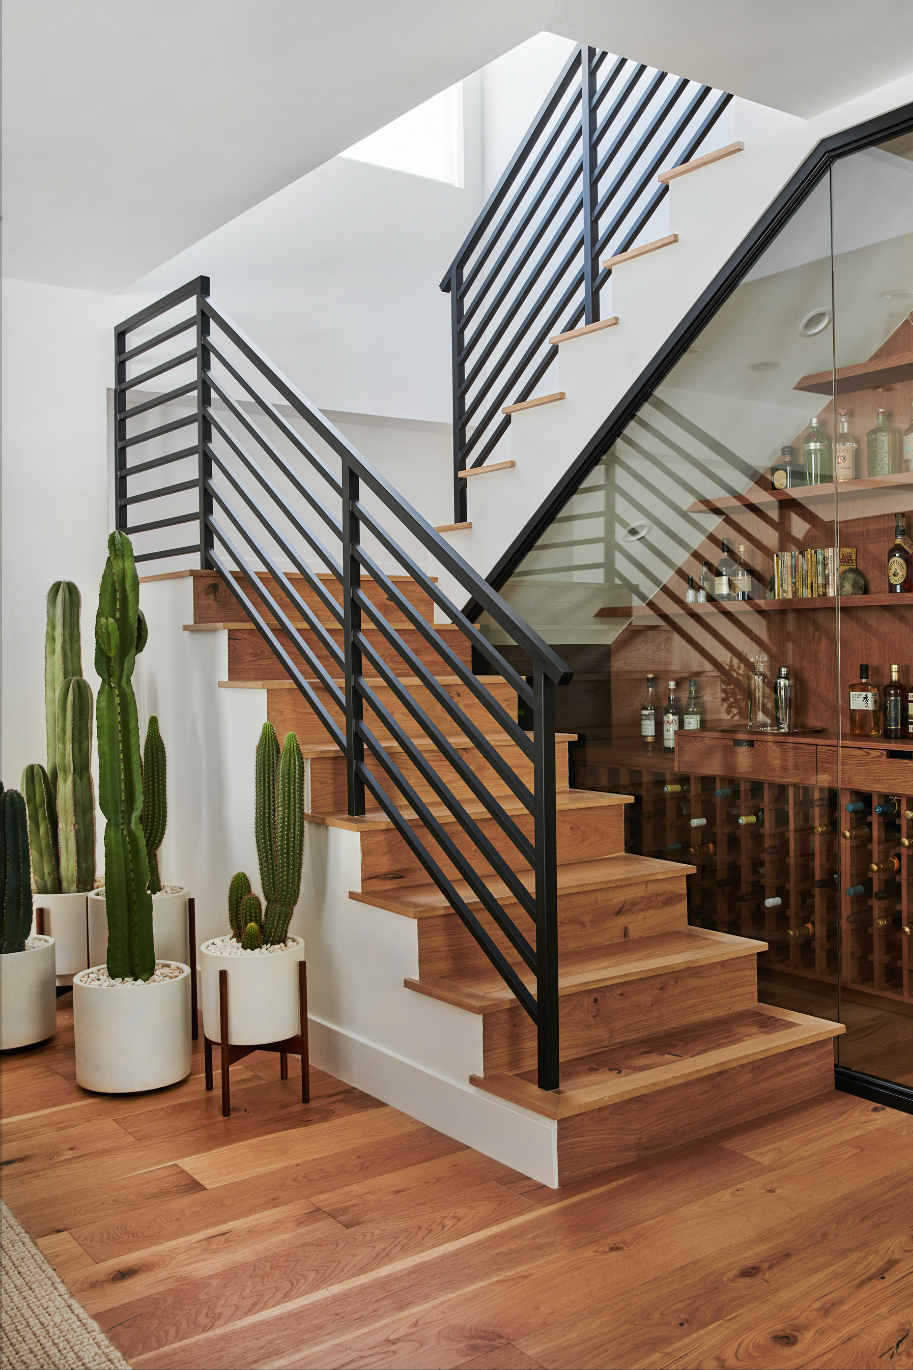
[(227, 946)]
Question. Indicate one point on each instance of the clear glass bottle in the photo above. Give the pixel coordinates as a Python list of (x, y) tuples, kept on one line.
[(694, 709), (722, 581), (672, 718), (741, 580), (691, 593), (706, 582), (865, 706), (908, 448), (900, 559), (760, 712), (844, 448), (785, 701), (816, 454), (894, 698), (883, 447), (649, 717)]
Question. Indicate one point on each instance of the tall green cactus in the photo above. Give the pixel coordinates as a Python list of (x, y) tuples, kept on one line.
[(155, 809), (15, 877), (42, 819), (239, 887), (75, 792), (120, 633), (62, 659), (279, 828)]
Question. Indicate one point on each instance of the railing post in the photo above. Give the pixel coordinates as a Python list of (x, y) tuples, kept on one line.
[(546, 877), (120, 431), (459, 399), (590, 191), (204, 427), (351, 535)]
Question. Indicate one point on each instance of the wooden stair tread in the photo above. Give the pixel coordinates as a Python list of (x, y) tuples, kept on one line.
[(662, 1061), (642, 251), (709, 157), (284, 683), (427, 901), (460, 742), (566, 799), (638, 959)]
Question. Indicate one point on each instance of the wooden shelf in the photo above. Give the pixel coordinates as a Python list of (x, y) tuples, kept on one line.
[(807, 495), (863, 376), (676, 609)]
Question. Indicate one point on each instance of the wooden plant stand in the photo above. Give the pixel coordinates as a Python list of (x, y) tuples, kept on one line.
[(297, 1045)]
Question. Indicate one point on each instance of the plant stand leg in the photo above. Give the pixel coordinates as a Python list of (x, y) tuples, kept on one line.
[(283, 1065), (223, 1025), (207, 1055), (192, 947), (303, 1032)]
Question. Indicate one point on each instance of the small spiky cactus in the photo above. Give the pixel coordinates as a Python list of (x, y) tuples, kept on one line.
[(252, 938), (15, 877), (239, 887), (155, 808), (279, 829), (251, 914)]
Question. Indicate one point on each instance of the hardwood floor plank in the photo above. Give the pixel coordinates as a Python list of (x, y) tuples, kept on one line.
[(45, 1212), (64, 1255), (372, 1200), (771, 1140), (64, 1149), (502, 1358), (886, 1341)]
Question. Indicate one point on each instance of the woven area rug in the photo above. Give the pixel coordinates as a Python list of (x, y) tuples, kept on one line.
[(41, 1326)]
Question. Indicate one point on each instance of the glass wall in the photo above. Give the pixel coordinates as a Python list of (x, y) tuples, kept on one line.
[(734, 613)]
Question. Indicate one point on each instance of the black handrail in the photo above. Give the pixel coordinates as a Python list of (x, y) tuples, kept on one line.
[(278, 487), (607, 126)]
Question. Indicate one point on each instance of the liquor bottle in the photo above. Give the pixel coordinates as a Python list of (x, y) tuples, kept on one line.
[(890, 863), (672, 717), (900, 559), (785, 701), (865, 707), (722, 581), (760, 701), (895, 697), (691, 593), (741, 580), (908, 448), (844, 449), (649, 717), (720, 793), (747, 819), (784, 473), (816, 453), (852, 833), (694, 709), (706, 581), (883, 447), (676, 789)]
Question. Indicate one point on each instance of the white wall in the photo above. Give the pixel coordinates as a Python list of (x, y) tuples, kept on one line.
[(513, 89), (57, 366)]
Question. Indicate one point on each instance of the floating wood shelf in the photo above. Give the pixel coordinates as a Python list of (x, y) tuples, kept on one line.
[(807, 495), (863, 376), (675, 608)]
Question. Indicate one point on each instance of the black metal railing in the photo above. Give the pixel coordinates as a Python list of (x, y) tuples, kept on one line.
[(309, 539), (582, 186)]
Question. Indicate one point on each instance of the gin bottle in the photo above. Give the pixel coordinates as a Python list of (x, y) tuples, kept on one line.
[(816, 453), (844, 449), (883, 447)]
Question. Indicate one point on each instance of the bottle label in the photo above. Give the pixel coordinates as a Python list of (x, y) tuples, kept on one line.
[(670, 728), (845, 460), (647, 723), (692, 721), (781, 479), (892, 713), (864, 699), (897, 570), (721, 586)]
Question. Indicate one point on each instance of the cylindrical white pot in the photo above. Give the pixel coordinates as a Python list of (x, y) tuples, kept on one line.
[(169, 927), (262, 994), (28, 996), (65, 920), (131, 1037)]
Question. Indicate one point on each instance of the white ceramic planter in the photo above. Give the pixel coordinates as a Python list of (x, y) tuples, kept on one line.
[(65, 920), (28, 996), (169, 927), (262, 994), (131, 1038)]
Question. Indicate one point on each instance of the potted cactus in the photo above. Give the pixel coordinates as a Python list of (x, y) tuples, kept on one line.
[(60, 800), (132, 1015), (259, 953), (169, 902), (28, 999)]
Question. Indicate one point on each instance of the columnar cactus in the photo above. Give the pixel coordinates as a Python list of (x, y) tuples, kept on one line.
[(279, 827), (75, 792), (155, 810), (15, 879), (42, 822), (239, 887), (62, 659), (120, 633)]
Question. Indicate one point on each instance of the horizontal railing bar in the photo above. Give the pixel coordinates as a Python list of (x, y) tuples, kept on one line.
[(158, 461), (160, 492), (156, 432), (285, 428), (169, 552), (159, 370), (331, 605), (157, 401), (165, 523), (533, 133), (275, 494), (437, 830), (468, 630), (473, 733), (284, 621), (332, 727), (173, 332), (197, 287), (459, 905)]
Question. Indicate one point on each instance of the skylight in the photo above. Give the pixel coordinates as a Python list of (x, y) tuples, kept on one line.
[(428, 141)]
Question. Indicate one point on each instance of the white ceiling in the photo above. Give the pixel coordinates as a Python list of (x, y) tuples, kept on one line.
[(132, 128)]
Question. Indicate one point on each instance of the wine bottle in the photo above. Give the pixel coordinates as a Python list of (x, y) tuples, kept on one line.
[(865, 706), (900, 559), (649, 716), (816, 453), (673, 846), (694, 709), (826, 883), (855, 890), (857, 806), (672, 717), (784, 473), (720, 794), (707, 849), (676, 789), (908, 448), (698, 822), (722, 580), (852, 833), (889, 863), (844, 449), (774, 902), (883, 447), (747, 819), (894, 696)]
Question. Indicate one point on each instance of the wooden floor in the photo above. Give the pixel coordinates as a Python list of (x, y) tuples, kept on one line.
[(347, 1234)]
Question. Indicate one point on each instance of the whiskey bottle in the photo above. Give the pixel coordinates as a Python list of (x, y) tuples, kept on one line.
[(895, 697), (672, 718), (865, 707), (725, 569), (890, 863), (908, 448), (741, 580), (649, 716), (705, 581), (900, 559), (883, 447), (694, 709), (816, 454), (844, 449), (784, 473)]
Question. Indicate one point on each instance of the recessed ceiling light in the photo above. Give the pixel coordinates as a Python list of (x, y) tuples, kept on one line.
[(637, 531), (764, 366), (896, 294), (814, 322)]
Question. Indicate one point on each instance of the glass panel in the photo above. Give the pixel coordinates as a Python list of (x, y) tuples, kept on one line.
[(873, 293)]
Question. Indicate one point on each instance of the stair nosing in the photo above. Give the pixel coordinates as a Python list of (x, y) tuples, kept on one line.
[(595, 799)]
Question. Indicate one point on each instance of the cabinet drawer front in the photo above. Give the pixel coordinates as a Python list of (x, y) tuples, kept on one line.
[(870, 768), (760, 759)]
